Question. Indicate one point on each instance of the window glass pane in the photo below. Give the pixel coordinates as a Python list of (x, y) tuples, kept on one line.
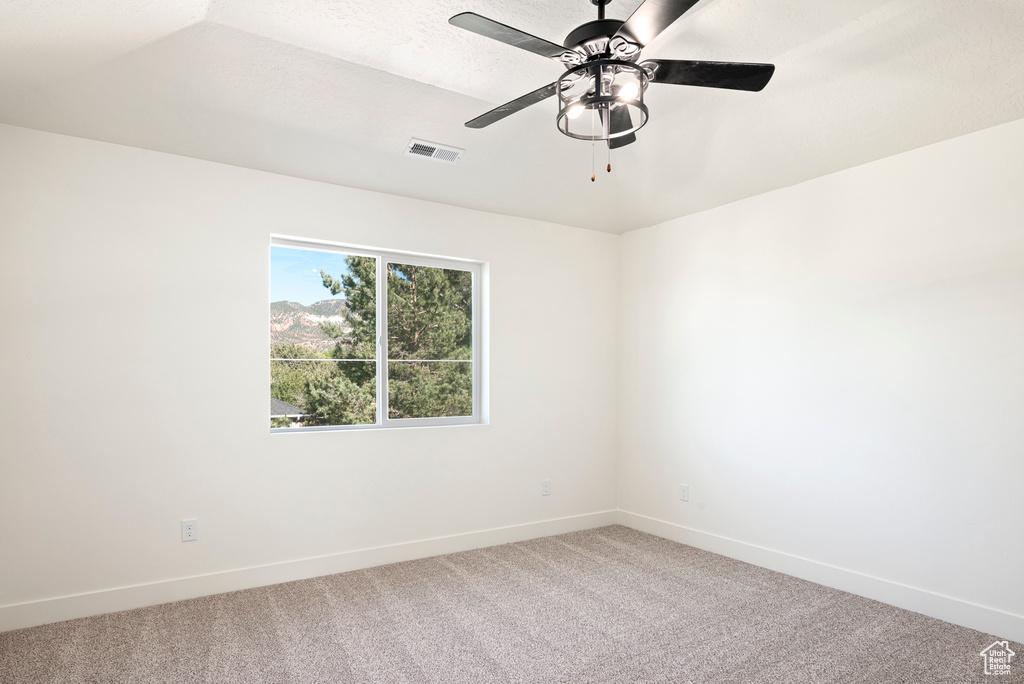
[(322, 338), (430, 342), (309, 392), (430, 389)]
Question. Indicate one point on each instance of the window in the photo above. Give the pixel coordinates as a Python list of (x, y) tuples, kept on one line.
[(370, 338)]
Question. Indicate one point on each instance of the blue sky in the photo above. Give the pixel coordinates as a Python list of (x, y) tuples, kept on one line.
[(295, 274)]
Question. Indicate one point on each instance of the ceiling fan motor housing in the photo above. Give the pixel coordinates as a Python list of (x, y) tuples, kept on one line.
[(599, 28)]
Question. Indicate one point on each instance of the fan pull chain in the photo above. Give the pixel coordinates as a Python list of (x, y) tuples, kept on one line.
[(593, 149), (593, 156), (609, 156)]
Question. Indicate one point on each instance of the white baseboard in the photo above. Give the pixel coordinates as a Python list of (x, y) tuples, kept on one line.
[(982, 618), (32, 613)]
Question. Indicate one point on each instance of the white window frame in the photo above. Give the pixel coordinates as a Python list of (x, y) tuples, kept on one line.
[(383, 257)]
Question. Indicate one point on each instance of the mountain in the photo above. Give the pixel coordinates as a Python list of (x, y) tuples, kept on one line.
[(293, 323)]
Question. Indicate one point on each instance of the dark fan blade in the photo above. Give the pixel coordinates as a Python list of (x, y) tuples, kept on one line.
[(731, 75), (506, 34), (651, 18), (499, 113), (621, 121)]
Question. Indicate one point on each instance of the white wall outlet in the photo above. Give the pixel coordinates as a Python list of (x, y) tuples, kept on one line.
[(189, 530), (545, 487), (684, 492)]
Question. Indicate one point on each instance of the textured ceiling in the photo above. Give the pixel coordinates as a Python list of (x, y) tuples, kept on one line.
[(332, 91)]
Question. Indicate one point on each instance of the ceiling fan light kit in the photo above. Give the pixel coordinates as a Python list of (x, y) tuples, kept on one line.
[(612, 90), (602, 72)]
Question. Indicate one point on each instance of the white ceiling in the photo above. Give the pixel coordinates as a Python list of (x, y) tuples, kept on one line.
[(332, 90)]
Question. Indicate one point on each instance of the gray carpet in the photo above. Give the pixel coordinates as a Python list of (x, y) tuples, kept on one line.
[(604, 605)]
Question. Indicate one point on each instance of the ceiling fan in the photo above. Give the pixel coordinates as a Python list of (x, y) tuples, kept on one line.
[(602, 72)]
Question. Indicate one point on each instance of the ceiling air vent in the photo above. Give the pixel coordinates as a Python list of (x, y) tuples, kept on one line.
[(429, 150)]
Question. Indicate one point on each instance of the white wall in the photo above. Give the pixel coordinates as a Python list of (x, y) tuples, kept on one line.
[(837, 371), (133, 362)]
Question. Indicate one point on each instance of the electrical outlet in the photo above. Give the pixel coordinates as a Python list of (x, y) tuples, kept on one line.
[(684, 492), (545, 487), (189, 530)]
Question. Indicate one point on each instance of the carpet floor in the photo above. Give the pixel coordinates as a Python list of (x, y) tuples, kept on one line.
[(604, 605)]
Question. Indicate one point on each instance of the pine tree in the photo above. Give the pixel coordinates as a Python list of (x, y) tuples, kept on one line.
[(429, 318)]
